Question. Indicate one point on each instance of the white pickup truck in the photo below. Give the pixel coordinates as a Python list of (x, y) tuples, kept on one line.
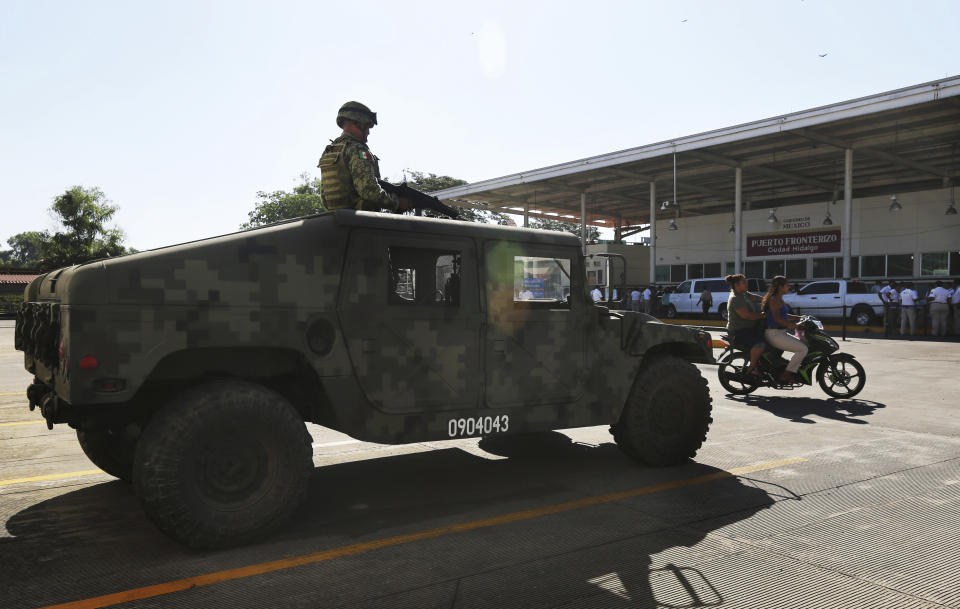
[(826, 299)]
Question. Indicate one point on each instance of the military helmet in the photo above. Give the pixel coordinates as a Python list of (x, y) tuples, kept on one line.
[(356, 112)]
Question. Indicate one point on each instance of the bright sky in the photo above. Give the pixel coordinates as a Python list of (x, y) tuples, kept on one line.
[(182, 111)]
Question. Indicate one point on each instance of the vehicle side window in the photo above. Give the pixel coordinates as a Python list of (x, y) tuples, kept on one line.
[(829, 287), (855, 287), (539, 281), (423, 277), (716, 286), (683, 288)]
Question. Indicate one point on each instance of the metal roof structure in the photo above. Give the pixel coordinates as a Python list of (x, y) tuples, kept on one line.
[(902, 140)]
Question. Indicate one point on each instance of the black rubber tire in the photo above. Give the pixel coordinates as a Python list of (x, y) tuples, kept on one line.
[(111, 450), (223, 464), (847, 362), (862, 315), (671, 312), (667, 414), (740, 362)]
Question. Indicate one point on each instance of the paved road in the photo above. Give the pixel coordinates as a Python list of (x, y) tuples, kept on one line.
[(796, 500)]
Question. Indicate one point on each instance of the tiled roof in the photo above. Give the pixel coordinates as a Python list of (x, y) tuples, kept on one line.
[(16, 278)]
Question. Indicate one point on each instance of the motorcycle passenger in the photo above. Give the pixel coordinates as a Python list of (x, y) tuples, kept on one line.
[(742, 318), (779, 321)]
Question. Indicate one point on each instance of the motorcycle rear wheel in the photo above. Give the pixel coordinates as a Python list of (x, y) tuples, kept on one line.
[(732, 373), (841, 376)]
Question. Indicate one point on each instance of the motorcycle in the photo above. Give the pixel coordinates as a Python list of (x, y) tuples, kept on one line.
[(840, 375)]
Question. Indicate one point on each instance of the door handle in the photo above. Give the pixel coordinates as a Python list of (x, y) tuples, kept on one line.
[(813, 298)]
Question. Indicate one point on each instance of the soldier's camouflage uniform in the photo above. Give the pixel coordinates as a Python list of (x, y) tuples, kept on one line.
[(348, 175)]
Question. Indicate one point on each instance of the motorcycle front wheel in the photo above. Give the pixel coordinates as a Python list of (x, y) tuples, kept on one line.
[(732, 373), (841, 376)]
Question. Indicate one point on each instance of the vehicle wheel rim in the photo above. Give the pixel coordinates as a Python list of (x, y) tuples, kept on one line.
[(231, 471), (863, 319), (843, 378), (733, 369)]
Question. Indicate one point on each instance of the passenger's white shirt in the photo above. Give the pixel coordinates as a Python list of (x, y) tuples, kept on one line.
[(646, 294), (955, 298), (635, 295), (939, 294), (526, 295), (893, 295), (908, 297), (596, 295), (883, 293)]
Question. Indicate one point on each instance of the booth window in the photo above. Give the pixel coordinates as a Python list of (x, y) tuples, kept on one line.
[(934, 264), (753, 269), (823, 268), (900, 265), (423, 277), (797, 269), (873, 266), (539, 281)]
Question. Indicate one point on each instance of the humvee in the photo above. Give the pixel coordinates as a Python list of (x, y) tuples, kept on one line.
[(190, 370)]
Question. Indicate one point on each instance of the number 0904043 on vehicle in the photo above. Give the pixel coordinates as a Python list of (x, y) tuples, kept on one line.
[(190, 370)]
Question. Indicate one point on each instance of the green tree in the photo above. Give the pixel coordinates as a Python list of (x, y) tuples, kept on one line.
[(593, 234), (279, 205), (431, 182), (83, 214), (26, 249)]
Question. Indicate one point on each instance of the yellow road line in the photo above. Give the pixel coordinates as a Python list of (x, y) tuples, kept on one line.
[(86, 472), (368, 546), (21, 423), (14, 393)]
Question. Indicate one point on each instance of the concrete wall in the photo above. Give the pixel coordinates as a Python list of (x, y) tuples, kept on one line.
[(920, 227)]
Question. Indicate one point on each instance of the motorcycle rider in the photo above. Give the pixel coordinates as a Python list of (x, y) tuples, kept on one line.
[(779, 321), (742, 319)]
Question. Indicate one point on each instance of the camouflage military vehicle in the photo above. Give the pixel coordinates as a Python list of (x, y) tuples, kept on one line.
[(190, 370)]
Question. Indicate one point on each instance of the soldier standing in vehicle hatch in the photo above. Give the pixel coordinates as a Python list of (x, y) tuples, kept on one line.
[(349, 171)]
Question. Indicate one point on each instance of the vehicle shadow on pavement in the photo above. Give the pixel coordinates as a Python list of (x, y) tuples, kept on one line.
[(598, 552), (798, 410)]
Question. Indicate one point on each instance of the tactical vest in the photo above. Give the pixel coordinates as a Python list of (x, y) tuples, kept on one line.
[(336, 183)]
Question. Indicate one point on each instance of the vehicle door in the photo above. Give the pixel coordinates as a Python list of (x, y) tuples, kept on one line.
[(681, 299), (410, 312), (536, 306), (820, 299), (720, 290)]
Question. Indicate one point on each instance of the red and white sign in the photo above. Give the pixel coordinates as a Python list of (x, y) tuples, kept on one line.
[(797, 243)]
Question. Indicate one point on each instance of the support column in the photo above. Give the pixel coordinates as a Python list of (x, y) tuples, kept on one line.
[(653, 233), (526, 215), (583, 221), (847, 210), (737, 220)]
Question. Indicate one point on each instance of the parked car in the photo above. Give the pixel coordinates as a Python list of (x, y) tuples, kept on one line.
[(684, 299), (825, 299)]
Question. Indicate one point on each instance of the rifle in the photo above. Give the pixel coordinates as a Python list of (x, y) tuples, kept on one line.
[(418, 200)]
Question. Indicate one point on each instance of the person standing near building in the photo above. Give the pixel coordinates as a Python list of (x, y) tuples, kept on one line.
[(908, 309), (595, 294), (636, 298), (939, 297), (349, 171), (647, 301), (706, 300)]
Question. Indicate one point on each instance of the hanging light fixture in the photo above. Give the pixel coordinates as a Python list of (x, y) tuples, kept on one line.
[(952, 208), (828, 221), (894, 204), (673, 224), (772, 218)]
